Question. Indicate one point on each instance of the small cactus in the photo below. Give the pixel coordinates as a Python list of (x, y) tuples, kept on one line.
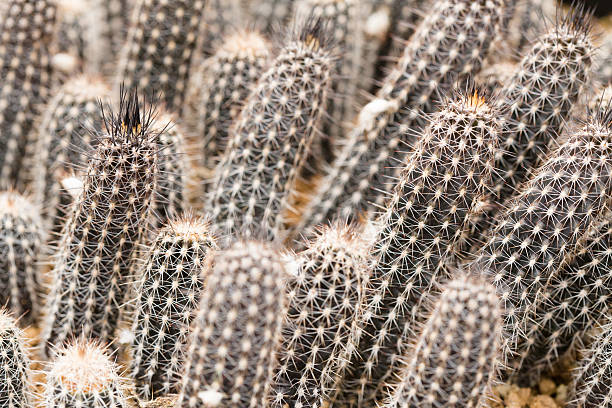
[(167, 296), (161, 43), (83, 375), (439, 185), (21, 239), (64, 140), (236, 334), (251, 193), (25, 66), (14, 364), (433, 61), (456, 356), (95, 255), (323, 302)]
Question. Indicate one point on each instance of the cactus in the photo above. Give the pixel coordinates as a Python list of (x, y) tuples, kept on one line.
[(456, 355), (83, 375), (220, 88), (71, 187), (160, 47), (440, 183), (493, 78), (253, 183), (167, 297), (530, 241), (117, 14), (21, 238), (604, 66), (168, 201), (64, 141), (432, 63), (270, 15), (220, 18), (14, 364), (323, 302), (27, 31), (236, 334), (530, 21), (100, 238)]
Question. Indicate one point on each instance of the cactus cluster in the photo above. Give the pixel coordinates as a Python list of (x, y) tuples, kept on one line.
[(303, 203)]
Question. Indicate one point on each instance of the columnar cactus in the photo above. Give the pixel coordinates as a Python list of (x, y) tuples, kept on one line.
[(458, 352), (220, 88), (440, 183), (167, 296), (236, 334), (13, 364), (70, 189), (21, 239), (251, 193), (324, 298), (95, 254), (220, 18), (118, 14), (450, 43), (270, 15), (530, 240), (25, 66), (84, 375), (530, 20), (160, 47), (64, 140)]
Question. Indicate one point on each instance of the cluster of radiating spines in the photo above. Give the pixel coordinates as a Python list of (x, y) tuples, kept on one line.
[(169, 198), (168, 293), (83, 375), (457, 354), (161, 44), (95, 254), (530, 240), (236, 335), (64, 141), (25, 66), (324, 299), (14, 364), (21, 239), (220, 88), (254, 182), (270, 16), (451, 43), (441, 182)]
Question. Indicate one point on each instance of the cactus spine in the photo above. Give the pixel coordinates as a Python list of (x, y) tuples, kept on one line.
[(440, 183), (105, 228), (159, 50), (64, 141), (14, 364), (323, 303), (167, 297), (27, 30), (21, 238), (83, 375), (253, 183), (530, 241), (236, 334), (433, 61), (457, 354)]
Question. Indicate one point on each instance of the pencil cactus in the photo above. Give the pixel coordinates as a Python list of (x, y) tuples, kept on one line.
[(251, 193), (236, 334), (110, 216), (167, 297), (14, 364), (21, 239)]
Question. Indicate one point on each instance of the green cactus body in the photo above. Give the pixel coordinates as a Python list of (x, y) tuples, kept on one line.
[(323, 303), (237, 332), (83, 375), (161, 43), (14, 364), (167, 297), (96, 250), (251, 193), (25, 66), (432, 64), (21, 239), (64, 141), (530, 242), (456, 357), (440, 183)]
